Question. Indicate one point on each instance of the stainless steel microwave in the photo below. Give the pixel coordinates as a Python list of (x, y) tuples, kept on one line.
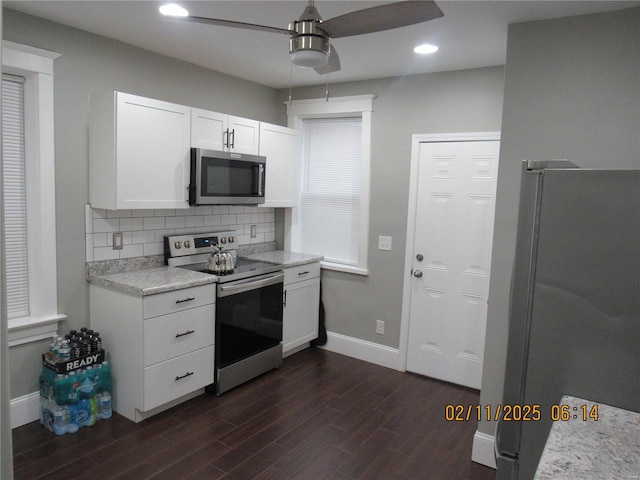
[(226, 178)]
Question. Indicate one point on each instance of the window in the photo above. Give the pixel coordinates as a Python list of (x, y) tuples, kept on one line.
[(333, 218), (15, 197), (29, 186)]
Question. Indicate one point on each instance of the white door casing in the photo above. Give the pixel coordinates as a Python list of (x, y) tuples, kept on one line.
[(450, 223)]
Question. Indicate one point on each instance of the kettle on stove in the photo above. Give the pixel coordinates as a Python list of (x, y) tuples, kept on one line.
[(220, 262)]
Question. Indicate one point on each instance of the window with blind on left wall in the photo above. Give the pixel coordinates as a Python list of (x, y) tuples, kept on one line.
[(29, 193), (15, 197)]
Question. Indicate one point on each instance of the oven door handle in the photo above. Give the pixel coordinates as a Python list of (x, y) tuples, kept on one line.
[(251, 284)]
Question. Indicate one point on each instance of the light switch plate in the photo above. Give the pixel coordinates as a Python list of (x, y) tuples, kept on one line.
[(384, 243)]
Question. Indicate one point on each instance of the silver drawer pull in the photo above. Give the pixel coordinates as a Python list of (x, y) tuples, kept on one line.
[(303, 273), (188, 374), (185, 300), (188, 332)]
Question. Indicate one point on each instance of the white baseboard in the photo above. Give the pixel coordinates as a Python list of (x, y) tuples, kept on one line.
[(363, 350), (25, 409), (483, 451)]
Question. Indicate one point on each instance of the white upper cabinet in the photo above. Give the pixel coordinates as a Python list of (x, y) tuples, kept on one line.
[(138, 153), (219, 131), (282, 147)]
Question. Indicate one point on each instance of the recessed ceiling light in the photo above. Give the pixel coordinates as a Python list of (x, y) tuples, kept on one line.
[(425, 48), (173, 10)]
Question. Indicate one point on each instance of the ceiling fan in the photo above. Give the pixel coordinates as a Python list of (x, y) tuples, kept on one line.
[(310, 36)]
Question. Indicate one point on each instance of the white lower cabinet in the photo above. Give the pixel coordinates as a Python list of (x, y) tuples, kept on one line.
[(302, 302), (161, 347)]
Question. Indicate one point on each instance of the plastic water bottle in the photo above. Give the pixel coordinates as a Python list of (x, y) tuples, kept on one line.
[(52, 345), (73, 396), (83, 413), (64, 351), (104, 405), (59, 390), (61, 419), (72, 426), (105, 377)]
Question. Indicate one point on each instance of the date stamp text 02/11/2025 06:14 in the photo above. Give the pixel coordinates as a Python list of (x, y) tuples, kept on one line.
[(517, 413)]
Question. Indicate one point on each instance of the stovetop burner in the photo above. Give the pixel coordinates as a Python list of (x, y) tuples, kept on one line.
[(244, 269), (192, 252)]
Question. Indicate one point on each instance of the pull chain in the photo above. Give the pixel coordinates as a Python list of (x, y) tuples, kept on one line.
[(326, 92), (290, 79)]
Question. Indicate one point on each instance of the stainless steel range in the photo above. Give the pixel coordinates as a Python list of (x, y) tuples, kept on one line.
[(249, 305)]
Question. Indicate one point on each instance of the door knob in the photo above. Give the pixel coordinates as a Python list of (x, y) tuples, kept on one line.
[(417, 273), (419, 257)]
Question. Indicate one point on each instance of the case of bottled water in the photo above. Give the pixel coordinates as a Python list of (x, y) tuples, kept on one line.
[(75, 384)]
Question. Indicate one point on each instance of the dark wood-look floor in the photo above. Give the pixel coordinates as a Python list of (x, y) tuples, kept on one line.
[(320, 416)]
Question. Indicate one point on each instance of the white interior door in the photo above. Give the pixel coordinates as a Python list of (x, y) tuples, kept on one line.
[(451, 259)]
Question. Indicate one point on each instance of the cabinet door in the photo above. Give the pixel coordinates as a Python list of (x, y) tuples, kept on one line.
[(244, 135), (209, 129), (152, 153), (282, 147), (300, 317)]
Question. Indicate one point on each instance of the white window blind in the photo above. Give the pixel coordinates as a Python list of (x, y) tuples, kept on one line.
[(15, 196), (330, 203)]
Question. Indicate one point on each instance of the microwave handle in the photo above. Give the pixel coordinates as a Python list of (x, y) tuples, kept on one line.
[(261, 180)]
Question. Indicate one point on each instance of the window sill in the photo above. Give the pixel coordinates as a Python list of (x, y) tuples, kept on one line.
[(344, 268), (32, 329)]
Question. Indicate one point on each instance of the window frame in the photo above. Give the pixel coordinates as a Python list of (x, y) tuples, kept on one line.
[(358, 105), (36, 66)]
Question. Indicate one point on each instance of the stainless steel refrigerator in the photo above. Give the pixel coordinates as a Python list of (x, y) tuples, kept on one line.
[(574, 320)]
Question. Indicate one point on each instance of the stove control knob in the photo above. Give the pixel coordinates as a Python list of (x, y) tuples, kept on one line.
[(223, 240), (231, 239), (187, 244), (177, 245)]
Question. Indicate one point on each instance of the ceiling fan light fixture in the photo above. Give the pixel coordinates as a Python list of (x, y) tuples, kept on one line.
[(173, 10), (425, 49), (309, 58), (308, 46)]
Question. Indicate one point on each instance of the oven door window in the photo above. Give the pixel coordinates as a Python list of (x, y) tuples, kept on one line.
[(248, 323), (229, 178)]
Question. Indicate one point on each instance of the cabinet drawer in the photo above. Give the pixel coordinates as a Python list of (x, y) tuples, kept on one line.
[(178, 333), (301, 272), (179, 376), (177, 300)]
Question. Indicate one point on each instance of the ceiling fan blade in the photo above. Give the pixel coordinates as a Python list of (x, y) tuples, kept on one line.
[(233, 24), (383, 17), (333, 65)]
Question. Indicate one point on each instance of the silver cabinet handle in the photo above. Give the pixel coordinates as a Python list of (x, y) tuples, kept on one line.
[(303, 273)]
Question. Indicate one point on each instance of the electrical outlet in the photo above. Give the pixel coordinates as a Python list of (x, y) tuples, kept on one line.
[(384, 243), (380, 327), (253, 231), (117, 241)]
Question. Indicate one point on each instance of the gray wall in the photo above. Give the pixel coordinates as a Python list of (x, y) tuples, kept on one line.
[(572, 90), (453, 102), (90, 63)]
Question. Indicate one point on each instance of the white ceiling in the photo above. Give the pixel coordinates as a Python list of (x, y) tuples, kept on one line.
[(471, 34)]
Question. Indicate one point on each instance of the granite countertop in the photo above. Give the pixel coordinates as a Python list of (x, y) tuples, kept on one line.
[(284, 258), (147, 276), (149, 281), (607, 448)]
